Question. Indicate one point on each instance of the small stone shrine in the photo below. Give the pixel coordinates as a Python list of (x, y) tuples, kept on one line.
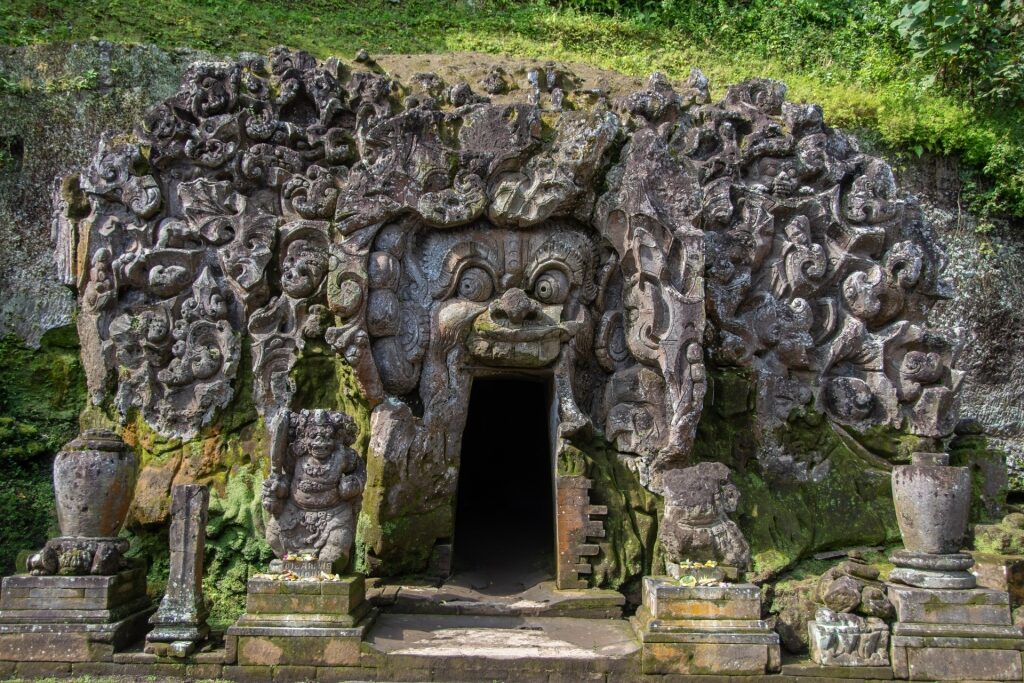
[(946, 628), (304, 612), (515, 358)]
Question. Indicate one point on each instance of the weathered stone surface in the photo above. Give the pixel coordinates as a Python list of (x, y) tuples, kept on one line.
[(314, 493), (305, 597), (314, 647), (666, 599), (704, 630), (945, 606), (1001, 573), (180, 622), (838, 639), (932, 502), (957, 664), (696, 525), (283, 219), (93, 476)]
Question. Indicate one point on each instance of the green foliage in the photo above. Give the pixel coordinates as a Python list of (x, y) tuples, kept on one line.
[(976, 48), (844, 54), (41, 393)]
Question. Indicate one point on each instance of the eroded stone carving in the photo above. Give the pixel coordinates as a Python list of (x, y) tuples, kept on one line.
[(696, 526), (839, 639), (426, 233), (314, 491)]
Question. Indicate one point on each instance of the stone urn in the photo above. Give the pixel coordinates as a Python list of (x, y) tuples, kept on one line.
[(932, 502), (93, 481)]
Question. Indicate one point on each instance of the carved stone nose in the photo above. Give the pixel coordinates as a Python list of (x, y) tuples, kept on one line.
[(515, 307)]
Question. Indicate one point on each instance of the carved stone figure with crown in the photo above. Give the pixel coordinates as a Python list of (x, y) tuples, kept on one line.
[(315, 487)]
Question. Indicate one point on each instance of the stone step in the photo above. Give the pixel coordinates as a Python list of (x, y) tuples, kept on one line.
[(459, 645), (542, 599)]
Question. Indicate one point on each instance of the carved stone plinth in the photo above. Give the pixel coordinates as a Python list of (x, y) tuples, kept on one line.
[(302, 622), (181, 620), (951, 635), (840, 639), (72, 618), (704, 630)]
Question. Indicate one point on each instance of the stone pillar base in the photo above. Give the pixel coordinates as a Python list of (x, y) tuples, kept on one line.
[(954, 635), (704, 630), (72, 618), (304, 623)]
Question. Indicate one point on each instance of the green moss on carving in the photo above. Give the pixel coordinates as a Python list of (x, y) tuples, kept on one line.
[(628, 549), (844, 499), (41, 393)]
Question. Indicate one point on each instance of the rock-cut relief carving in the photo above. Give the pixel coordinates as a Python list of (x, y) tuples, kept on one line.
[(425, 233), (314, 490)]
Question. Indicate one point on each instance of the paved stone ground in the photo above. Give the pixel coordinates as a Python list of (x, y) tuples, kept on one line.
[(503, 638)]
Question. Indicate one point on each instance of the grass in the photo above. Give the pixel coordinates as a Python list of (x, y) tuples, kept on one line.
[(842, 54)]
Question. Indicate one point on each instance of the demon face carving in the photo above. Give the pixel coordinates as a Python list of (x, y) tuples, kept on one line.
[(510, 297)]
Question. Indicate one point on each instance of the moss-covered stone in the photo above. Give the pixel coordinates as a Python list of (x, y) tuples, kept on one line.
[(837, 494), (989, 479), (628, 550), (41, 393)]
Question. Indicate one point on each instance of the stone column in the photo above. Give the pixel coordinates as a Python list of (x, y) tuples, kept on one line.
[(181, 620)]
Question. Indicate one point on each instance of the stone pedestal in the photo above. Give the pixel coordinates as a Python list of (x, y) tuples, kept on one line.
[(180, 623), (954, 634), (72, 618), (306, 622), (704, 630)]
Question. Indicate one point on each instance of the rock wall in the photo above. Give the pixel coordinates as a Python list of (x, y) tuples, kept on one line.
[(54, 103)]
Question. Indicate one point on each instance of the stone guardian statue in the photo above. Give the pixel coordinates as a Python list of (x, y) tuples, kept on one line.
[(315, 487)]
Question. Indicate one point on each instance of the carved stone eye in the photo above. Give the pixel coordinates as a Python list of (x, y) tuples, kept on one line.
[(551, 288), (475, 284)]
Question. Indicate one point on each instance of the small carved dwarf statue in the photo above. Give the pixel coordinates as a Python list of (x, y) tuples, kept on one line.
[(315, 487), (696, 525)]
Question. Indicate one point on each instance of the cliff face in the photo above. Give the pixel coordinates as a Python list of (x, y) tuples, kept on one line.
[(57, 100)]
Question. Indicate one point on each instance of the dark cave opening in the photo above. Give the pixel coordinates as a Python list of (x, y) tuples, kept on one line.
[(504, 518)]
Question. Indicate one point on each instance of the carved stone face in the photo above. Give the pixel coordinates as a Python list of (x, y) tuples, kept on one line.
[(511, 296)]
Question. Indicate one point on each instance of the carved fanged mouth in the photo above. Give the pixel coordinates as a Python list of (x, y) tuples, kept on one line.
[(530, 346)]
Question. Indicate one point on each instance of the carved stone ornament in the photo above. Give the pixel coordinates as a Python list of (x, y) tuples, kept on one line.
[(429, 234), (314, 491), (93, 480), (696, 526), (840, 639)]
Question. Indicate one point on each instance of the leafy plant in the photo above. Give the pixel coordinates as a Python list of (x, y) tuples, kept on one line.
[(975, 48)]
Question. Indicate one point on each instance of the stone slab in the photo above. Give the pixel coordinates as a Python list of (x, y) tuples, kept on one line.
[(812, 670), (666, 599), (921, 578), (70, 594), (721, 659), (458, 597), (279, 647), (1013, 635), (75, 582), (959, 664), (71, 642), (943, 606), (526, 642)]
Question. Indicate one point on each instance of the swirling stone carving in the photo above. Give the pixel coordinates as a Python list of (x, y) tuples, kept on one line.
[(422, 232)]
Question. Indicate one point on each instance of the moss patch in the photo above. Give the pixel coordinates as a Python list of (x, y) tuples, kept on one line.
[(842, 496), (41, 393)]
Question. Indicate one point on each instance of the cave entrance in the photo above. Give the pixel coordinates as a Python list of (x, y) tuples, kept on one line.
[(505, 506)]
